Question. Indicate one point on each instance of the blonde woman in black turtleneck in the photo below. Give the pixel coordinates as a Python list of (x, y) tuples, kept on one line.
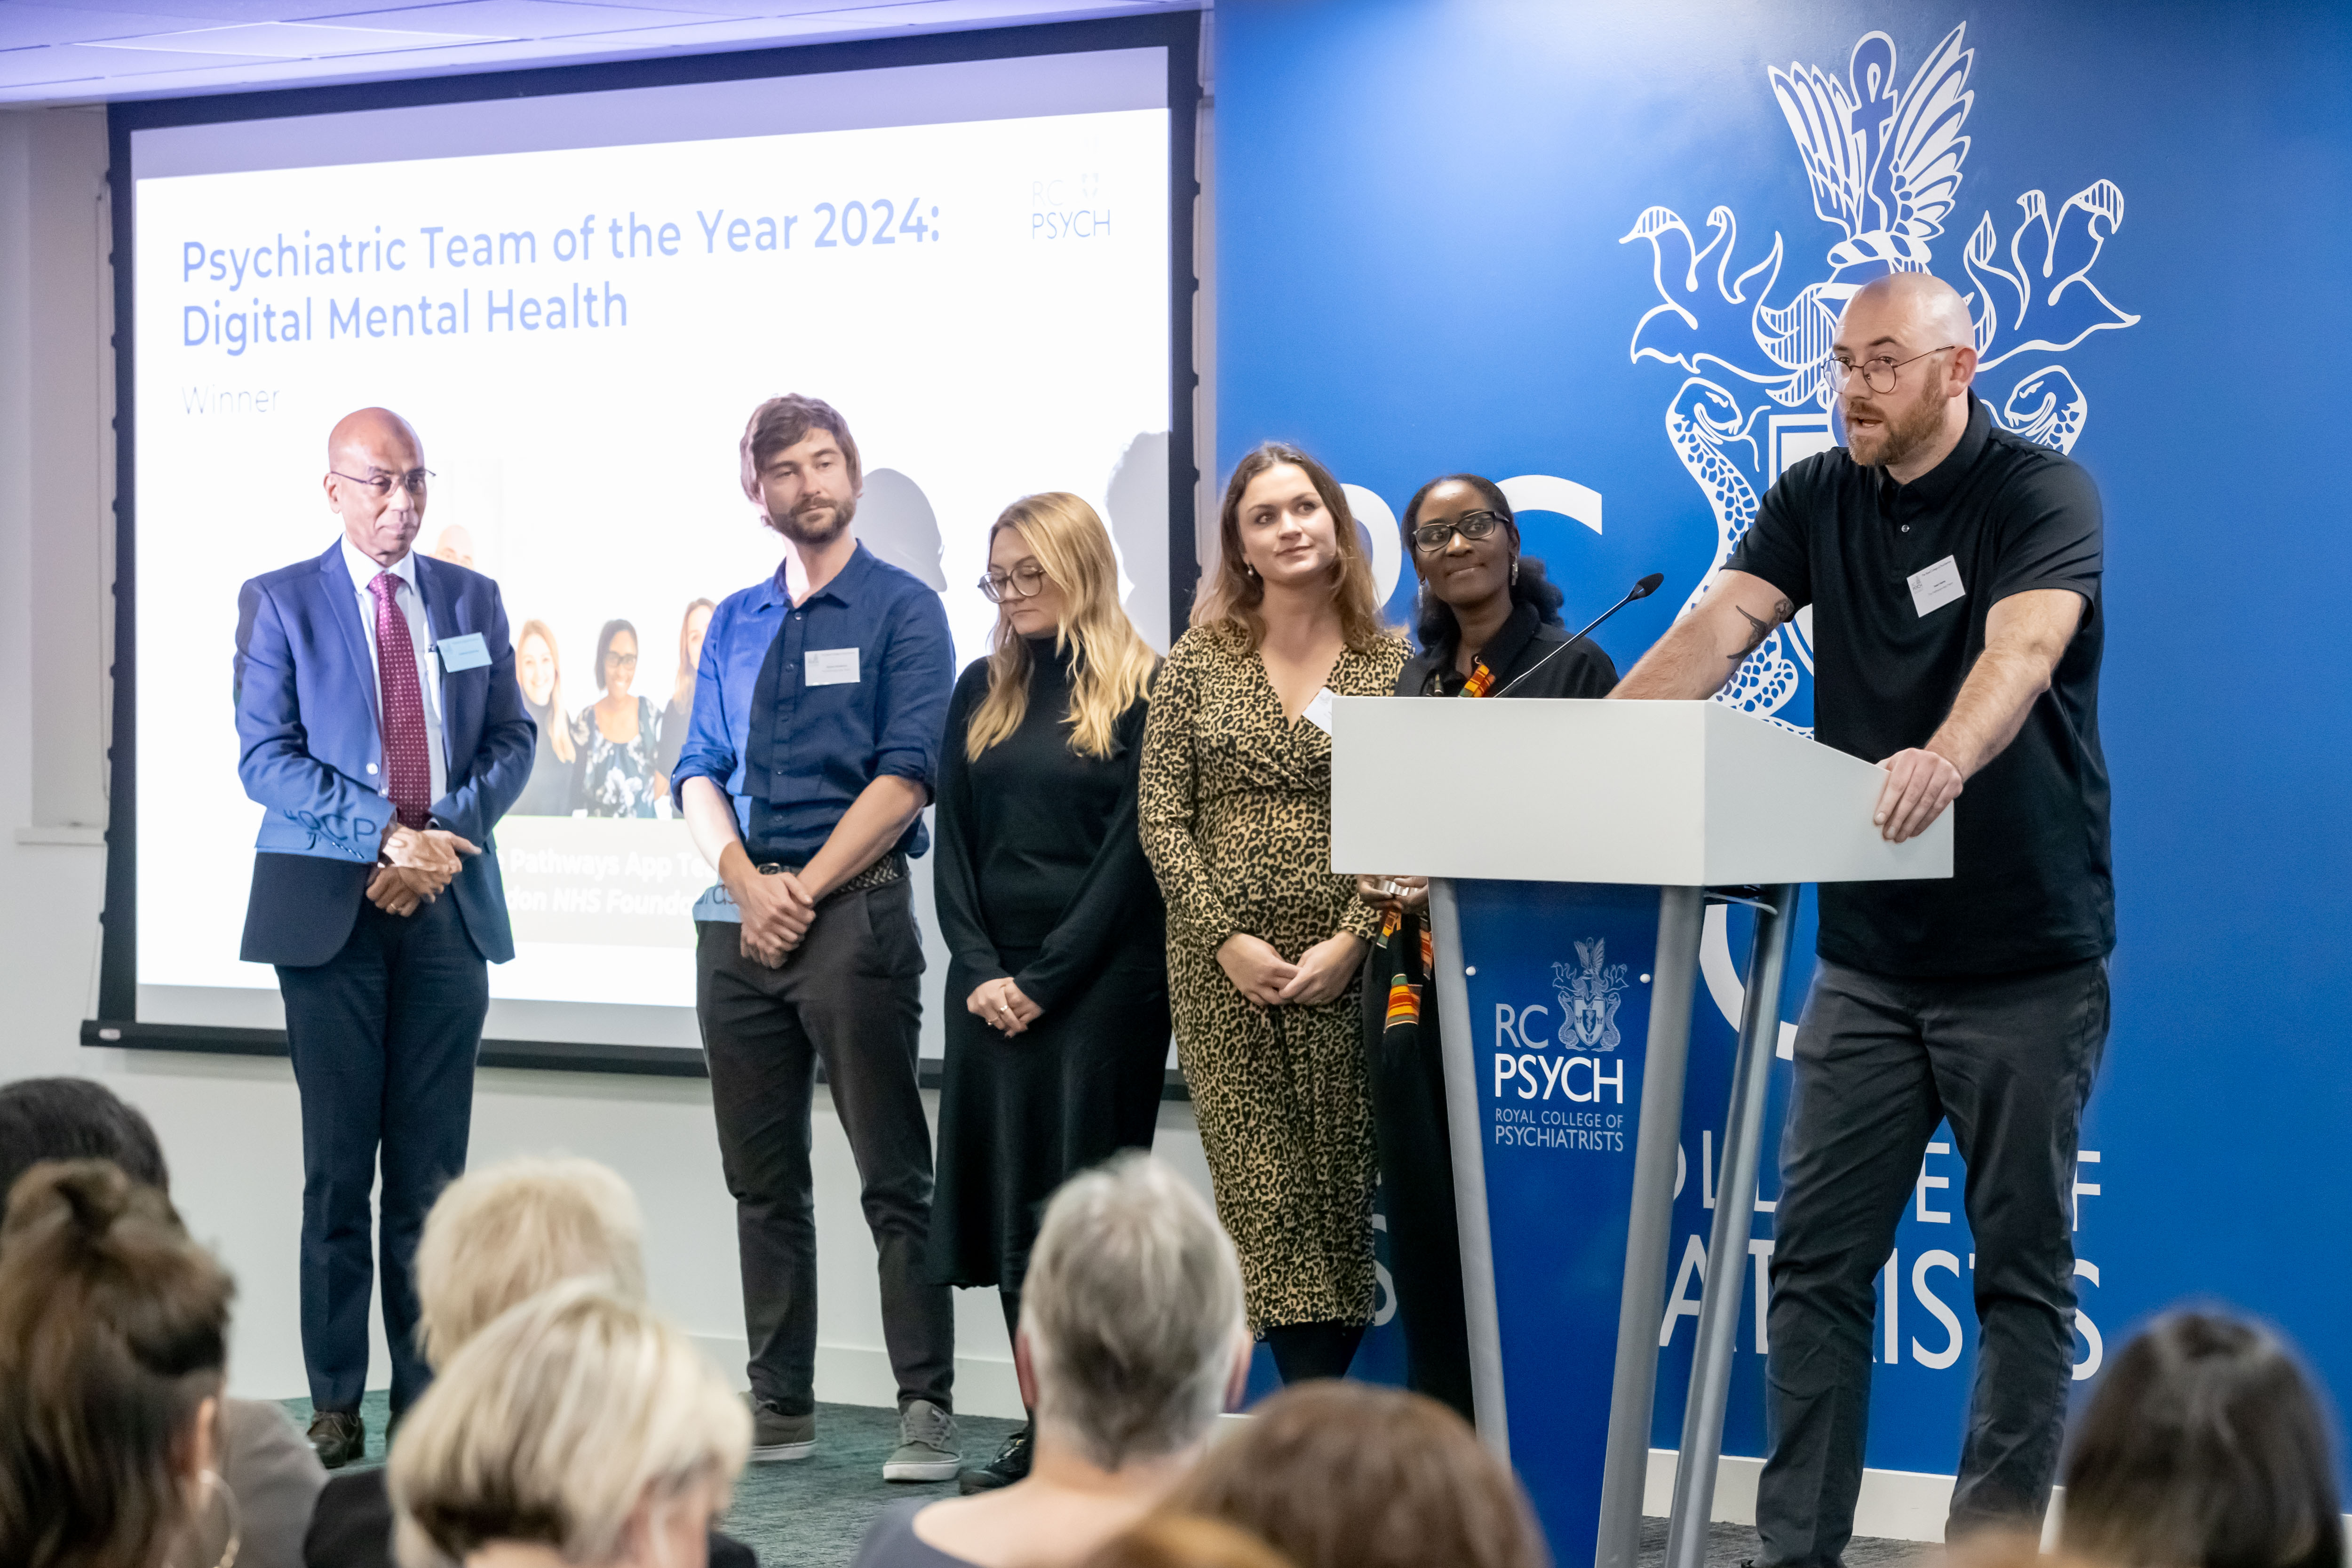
[(1057, 988)]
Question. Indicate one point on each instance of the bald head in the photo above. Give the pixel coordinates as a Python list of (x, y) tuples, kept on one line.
[(1906, 407), (1926, 312), (366, 430), (375, 482)]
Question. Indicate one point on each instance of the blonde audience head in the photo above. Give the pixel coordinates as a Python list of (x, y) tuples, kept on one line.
[(506, 1232), (1132, 1325), (1345, 1475), (579, 1423)]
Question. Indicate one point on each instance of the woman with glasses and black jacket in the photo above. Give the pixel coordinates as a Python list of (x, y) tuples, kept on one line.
[(1488, 626)]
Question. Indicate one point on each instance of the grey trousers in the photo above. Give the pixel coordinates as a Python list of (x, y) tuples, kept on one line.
[(848, 998), (1880, 1059)]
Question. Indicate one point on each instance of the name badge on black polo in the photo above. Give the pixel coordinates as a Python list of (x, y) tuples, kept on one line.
[(1932, 588), (830, 666)]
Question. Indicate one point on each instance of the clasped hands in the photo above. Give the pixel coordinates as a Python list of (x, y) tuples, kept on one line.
[(777, 910), (1001, 1005), (417, 863), (1263, 976)]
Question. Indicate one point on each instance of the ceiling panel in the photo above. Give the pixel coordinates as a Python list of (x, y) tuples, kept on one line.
[(532, 18), (293, 40), (159, 49), (22, 26)]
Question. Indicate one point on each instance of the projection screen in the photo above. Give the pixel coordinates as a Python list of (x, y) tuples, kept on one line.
[(576, 285)]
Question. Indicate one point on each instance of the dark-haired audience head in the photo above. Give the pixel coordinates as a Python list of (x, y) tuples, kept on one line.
[(113, 1337), (2205, 1446), (1344, 1474), (74, 1119), (1185, 1541), (1465, 571), (1132, 1328)]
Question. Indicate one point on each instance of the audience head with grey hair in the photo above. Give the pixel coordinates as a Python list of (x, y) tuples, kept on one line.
[(1132, 1341), (578, 1430)]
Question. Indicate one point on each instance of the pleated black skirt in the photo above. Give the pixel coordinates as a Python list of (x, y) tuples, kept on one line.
[(1018, 1117)]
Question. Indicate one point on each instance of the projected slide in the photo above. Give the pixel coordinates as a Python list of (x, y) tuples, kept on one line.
[(578, 332)]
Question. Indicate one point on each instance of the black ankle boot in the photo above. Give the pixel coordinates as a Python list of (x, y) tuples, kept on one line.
[(1011, 1465)]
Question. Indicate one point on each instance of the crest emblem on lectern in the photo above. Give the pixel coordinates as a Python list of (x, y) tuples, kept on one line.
[(1589, 994)]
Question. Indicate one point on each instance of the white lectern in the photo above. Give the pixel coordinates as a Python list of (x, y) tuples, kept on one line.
[(1570, 847)]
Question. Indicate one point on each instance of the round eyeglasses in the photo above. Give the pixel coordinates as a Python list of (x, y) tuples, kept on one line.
[(1432, 537), (413, 481), (1877, 373), (1025, 581)]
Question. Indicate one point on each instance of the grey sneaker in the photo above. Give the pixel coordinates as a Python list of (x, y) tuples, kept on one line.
[(926, 1448), (776, 1435)]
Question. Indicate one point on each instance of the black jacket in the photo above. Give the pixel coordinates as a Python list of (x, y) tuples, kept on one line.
[(1523, 644)]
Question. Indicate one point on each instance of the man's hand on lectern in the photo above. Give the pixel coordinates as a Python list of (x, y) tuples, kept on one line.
[(1919, 784)]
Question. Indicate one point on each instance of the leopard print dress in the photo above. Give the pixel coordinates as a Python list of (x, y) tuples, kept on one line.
[(1235, 814)]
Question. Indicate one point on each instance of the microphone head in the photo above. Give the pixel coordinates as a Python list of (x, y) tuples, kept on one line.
[(1648, 585)]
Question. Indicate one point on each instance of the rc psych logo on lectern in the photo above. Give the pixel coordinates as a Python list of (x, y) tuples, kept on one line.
[(1590, 992)]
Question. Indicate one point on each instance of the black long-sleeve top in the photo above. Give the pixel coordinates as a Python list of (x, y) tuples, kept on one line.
[(1039, 856)]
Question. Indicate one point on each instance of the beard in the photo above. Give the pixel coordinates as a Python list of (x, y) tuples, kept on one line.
[(819, 522), (1907, 430)]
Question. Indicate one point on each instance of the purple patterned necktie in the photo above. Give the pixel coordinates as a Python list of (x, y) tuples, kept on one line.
[(408, 766)]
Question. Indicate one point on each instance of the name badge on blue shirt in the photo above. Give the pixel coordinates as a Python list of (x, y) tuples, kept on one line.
[(831, 666), (466, 652)]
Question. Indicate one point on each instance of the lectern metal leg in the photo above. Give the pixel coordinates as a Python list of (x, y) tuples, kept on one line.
[(1727, 1250), (1658, 1147), (1482, 1317)]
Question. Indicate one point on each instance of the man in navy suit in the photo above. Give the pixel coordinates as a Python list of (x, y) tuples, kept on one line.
[(378, 721)]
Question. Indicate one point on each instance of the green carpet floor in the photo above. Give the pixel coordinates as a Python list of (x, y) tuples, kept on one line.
[(810, 1513)]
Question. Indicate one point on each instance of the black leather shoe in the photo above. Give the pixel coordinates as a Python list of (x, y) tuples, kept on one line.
[(1011, 1465), (339, 1436)]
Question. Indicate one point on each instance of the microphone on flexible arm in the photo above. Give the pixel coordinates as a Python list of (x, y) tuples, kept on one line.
[(1640, 589)]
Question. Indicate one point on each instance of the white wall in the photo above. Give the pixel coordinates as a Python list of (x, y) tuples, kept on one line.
[(229, 1125)]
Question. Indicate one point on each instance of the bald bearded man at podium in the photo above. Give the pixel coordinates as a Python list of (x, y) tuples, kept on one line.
[(1953, 569), (379, 722)]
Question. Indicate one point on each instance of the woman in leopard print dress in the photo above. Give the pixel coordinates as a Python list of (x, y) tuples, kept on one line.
[(1264, 940)]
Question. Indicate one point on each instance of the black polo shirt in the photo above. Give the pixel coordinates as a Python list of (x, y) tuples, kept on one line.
[(2031, 883)]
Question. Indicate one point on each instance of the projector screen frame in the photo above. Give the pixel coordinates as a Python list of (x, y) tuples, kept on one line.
[(117, 1026)]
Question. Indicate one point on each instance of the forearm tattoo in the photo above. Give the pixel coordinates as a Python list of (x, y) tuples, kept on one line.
[(1758, 630)]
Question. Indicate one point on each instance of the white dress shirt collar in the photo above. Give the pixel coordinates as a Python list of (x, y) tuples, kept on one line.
[(363, 570)]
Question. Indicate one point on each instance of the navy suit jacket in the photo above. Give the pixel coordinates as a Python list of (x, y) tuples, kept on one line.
[(311, 749)]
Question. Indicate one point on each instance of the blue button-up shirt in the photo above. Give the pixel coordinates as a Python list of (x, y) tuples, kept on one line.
[(865, 666)]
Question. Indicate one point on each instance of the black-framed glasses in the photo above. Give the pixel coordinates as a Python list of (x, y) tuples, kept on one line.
[(1025, 581), (1877, 373), (413, 482), (1432, 537)]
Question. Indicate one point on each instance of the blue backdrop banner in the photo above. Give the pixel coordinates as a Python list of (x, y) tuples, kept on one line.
[(1593, 251)]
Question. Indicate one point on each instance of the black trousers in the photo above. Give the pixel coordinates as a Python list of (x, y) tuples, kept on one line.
[(1880, 1060), (848, 996), (1408, 1082), (383, 1037)]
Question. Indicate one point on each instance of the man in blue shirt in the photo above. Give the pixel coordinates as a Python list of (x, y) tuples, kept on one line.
[(808, 762)]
